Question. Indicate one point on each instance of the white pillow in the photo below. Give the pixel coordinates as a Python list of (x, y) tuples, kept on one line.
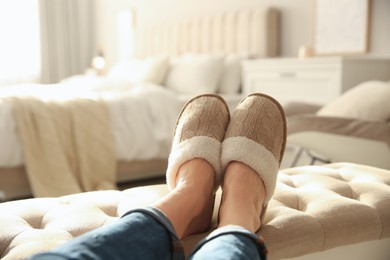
[(368, 101), (195, 74), (151, 70), (231, 75)]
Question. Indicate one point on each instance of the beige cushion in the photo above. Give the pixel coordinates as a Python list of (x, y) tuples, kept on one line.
[(366, 101), (314, 208), (195, 74), (151, 70)]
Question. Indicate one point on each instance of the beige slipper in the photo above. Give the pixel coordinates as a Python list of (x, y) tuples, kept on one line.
[(256, 136), (200, 129)]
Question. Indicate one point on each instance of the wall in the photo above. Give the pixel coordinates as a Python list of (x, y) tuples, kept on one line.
[(296, 23), (380, 27)]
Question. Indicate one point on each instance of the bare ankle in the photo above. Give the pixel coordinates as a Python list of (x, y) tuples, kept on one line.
[(196, 172), (189, 205), (243, 197)]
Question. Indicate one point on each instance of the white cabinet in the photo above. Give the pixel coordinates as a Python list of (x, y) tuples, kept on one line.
[(315, 80)]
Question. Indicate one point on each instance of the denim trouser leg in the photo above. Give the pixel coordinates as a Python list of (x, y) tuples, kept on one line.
[(140, 234), (231, 242), (147, 233)]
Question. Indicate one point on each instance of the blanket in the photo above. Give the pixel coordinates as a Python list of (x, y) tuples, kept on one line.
[(68, 146), (142, 117)]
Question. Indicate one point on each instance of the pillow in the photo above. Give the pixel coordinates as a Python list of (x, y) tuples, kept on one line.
[(195, 74), (231, 75), (368, 101), (151, 70)]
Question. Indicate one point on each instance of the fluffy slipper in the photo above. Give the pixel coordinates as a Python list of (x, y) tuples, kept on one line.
[(256, 136), (200, 129)]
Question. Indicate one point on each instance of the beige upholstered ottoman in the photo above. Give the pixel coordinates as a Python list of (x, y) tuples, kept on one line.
[(314, 209)]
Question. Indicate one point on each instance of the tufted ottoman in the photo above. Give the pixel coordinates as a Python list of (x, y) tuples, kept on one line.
[(315, 208)]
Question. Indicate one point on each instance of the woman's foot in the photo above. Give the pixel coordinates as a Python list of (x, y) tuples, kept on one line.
[(199, 132), (251, 154), (242, 198), (194, 165), (189, 206)]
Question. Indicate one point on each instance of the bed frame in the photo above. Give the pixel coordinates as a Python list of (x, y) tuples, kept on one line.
[(254, 32), (14, 183)]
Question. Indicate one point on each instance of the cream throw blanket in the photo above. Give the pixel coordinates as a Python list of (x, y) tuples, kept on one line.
[(68, 146)]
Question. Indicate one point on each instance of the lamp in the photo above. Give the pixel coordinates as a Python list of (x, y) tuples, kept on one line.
[(99, 63)]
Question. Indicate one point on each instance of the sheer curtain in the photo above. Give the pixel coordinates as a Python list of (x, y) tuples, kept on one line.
[(19, 42), (45, 40), (67, 37)]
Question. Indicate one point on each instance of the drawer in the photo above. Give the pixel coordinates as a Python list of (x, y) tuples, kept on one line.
[(294, 85), (282, 74), (321, 93)]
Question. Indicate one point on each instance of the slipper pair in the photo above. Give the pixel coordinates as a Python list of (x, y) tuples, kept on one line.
[(255, 135)]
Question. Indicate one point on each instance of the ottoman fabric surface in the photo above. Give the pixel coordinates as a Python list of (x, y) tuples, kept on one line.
[(314, 208)]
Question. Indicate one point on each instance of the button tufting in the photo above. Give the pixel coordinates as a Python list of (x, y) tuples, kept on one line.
[(34, 221), (109, 210), (319, 207)]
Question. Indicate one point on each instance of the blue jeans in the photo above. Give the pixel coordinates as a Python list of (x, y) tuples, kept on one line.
[(146, 233)]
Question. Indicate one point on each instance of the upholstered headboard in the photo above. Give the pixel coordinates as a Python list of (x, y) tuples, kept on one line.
[(253, 31)]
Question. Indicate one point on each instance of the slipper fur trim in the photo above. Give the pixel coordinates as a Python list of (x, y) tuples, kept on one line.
[(254, 155), (202, 147)]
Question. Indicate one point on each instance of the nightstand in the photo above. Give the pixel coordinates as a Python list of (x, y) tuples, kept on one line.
[(315, 80)]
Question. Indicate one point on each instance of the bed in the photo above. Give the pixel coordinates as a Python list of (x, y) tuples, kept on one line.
[(172, 63)]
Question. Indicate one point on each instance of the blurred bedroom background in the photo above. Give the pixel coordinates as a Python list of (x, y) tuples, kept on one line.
[(142, 60), (49, 40)]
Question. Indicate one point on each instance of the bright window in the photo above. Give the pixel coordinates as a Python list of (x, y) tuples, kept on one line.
[(19, 41)]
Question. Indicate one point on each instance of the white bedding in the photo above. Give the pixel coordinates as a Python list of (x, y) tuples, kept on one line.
[(143, 115)]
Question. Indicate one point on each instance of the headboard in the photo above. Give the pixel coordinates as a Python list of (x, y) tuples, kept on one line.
[(254, 32)]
